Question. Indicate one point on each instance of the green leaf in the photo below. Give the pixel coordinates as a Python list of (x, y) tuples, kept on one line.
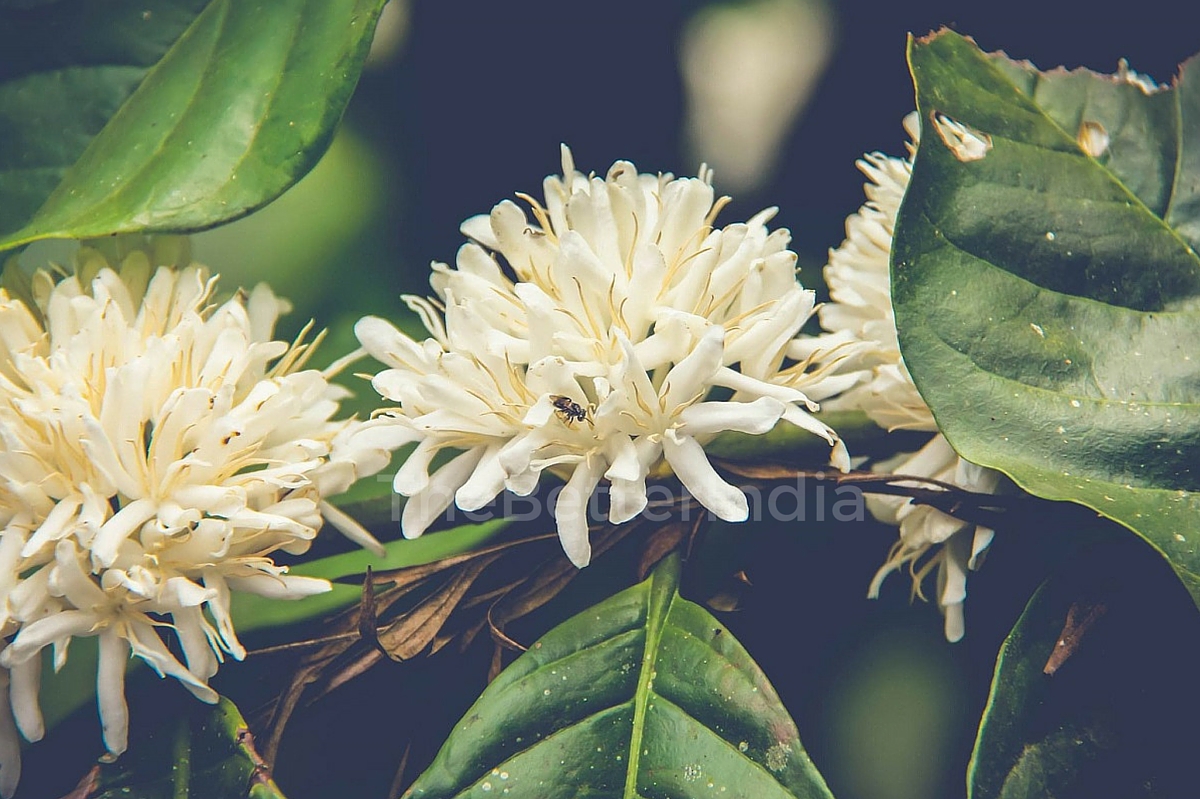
[(1047, 295), (1011, 759), (253, 612), (166, 115), (643, 695), (1116, 717), (208, 753)]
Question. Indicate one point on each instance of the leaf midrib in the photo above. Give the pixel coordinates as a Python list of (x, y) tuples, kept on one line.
[(216, 7), (656, 616)]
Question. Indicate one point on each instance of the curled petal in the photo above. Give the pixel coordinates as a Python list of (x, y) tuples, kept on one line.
[(690, 464), (755, 418), (692, 376), (571, 512), (23, 695)]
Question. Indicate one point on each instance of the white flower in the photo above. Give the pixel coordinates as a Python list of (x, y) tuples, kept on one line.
[(922, 528), (619, 333), (155, 449), (861, 320)]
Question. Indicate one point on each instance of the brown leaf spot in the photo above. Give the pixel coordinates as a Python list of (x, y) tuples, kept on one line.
[(1080, 618)]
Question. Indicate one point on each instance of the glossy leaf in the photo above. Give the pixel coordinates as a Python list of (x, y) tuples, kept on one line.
[(1046, 288), (1116, 715), (645, 694), (158, 115), (208, 753)]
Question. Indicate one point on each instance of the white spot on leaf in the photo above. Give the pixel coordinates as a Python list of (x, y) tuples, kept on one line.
[(966, 143), (1093, 138), (777, 756)]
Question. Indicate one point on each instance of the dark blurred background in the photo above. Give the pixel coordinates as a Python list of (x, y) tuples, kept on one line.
[(466, 102)]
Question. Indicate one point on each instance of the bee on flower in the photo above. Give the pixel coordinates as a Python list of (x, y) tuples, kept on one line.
[(619, 304)]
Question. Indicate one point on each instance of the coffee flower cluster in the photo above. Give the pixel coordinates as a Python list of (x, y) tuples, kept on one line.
[(156, 447), (608, 338), (860, 319)]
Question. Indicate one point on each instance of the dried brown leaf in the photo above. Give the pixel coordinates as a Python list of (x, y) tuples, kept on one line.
[(415, 630), (410, 574), (497, 664), (397, 788)]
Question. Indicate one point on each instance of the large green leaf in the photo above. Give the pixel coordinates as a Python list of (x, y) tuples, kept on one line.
[(118, 115), (206, 753), (643, 695), (1117, 715), (1046, 288)]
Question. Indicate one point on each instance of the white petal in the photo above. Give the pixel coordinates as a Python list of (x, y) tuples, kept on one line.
[(55, 525), (182, 592), (23, 694), (627, 499), (149, 647), (10, 744), (571, 512), (479, 227), (806, 421), (839, 456), (385, 343), (979, 544), (110, 691), (413, 475), (485, 482), (384, 432), (193, 631), (122, 524), (279, 586), (755, 418), (754, 387), (104, 458), (34, 636), (688, 461), (219, 608), (523, 483), (541, 412), (692, 376), (350, 528), (955, 626), (423, 507), (952, 579)]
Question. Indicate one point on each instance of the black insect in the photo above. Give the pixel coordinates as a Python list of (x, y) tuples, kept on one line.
[(568, 409)]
